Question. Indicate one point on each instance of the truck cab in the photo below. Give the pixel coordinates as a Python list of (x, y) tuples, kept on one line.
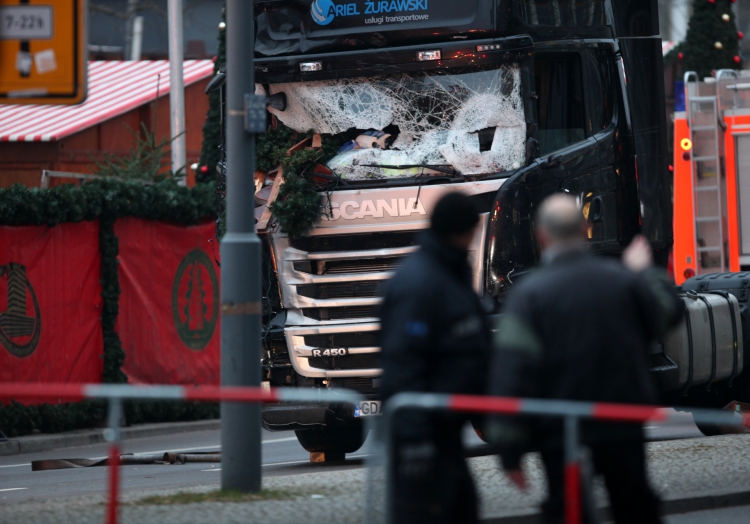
[(507, 101)]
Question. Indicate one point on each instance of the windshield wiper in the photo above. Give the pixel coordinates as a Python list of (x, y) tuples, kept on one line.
[(332, 178), (440, 168)]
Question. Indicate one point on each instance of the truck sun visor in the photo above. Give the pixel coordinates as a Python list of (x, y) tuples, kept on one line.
[(304, 26), (434, 118)]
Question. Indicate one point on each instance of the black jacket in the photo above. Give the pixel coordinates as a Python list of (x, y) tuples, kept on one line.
[(579, 328), (435, 334)]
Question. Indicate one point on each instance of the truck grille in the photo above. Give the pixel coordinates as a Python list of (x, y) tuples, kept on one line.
[(332, 280), (357, 383), (341, 313), (366, 386), (362, 362), (341, 267), (343, 340), (366, 361), (340, 290), (359, 242), (363, 266)]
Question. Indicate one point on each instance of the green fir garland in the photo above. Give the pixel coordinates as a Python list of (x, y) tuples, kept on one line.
[(211, 148), (298, 204)]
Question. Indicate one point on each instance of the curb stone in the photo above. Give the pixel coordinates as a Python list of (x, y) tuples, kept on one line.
[(686, 503), (46, 442)]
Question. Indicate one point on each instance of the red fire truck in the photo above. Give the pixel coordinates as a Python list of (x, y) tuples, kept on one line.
[(712, 176)]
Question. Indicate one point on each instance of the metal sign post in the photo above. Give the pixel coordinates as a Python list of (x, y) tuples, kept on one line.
[(43, 52), (240, 265), (176, 87)]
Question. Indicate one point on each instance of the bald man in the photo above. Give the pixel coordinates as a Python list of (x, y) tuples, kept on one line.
[(580, 328)]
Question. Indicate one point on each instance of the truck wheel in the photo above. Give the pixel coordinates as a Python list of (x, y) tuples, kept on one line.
[(709, 430), (325, 439), (478, 430)]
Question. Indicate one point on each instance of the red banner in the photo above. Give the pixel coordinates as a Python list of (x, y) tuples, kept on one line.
[(169, 302), (50, 303)]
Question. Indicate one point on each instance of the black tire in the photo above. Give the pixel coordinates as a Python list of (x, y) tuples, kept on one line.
[(325, 439), (709, 430), (479, 431)]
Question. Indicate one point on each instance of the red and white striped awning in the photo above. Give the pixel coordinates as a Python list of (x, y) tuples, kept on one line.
[(667, 46), (115, 87)]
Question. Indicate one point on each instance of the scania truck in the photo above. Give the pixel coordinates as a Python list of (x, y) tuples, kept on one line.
[(507, 101)]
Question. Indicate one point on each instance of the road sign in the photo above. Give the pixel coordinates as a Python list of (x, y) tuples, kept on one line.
[(43, 52)]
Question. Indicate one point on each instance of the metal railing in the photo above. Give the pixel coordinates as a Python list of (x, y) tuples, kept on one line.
[(115, 394), (571, 411)]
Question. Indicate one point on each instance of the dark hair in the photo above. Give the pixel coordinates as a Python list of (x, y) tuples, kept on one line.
[(454, 213)]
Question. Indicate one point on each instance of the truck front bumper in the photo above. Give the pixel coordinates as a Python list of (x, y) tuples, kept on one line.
[(286, 416)]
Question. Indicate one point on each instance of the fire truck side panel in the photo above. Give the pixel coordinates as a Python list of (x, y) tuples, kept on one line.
[(732, 135), (736, 133), (684, 229)]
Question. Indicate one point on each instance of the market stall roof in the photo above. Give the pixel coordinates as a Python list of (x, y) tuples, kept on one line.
[(115, 87), (667, 46)]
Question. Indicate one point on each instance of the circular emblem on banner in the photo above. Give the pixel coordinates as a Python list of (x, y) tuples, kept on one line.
[(195, 299), (21, 320)]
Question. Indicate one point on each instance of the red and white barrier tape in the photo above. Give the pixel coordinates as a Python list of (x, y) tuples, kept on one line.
[(465, 403)]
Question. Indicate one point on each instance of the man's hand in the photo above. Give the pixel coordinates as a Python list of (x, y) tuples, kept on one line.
[(637, 256), (518, 478)]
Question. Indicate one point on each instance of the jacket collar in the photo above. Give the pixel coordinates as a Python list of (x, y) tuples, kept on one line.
[(454, 260), (561, 252)]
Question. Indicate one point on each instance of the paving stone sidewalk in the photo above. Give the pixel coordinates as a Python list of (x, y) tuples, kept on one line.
[(681, 470)]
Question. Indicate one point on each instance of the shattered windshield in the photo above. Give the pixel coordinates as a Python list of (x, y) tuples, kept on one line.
[(470, 120)]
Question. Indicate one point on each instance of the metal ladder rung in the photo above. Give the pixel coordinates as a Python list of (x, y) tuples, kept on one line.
[(703, 116), (696, 99)]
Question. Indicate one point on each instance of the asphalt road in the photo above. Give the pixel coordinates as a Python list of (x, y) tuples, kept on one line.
[(736, 515), (282, 455)]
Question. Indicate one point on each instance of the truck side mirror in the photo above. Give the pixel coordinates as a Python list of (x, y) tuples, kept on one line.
[(216, 82), (277, 101), (596, 212), (552, 161)]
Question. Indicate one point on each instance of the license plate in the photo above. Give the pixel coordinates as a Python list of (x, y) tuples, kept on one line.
[(368, 408)]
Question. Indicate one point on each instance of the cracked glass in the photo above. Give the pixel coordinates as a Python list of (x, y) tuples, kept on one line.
[(471, 120)]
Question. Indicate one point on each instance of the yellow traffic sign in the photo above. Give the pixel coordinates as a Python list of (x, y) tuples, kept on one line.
[(43, 53)]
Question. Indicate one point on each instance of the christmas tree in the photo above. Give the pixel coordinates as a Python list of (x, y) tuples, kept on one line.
[(195, 310), (211, 149), (712, 39)]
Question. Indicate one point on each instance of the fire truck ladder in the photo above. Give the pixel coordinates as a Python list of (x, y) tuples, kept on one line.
[(708, 209)]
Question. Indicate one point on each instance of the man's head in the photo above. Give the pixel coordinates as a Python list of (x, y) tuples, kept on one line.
[(454, 220), (559, 221)]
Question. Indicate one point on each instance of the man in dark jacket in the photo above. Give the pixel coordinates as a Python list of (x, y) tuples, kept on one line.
[(435, 337), (580, 328)]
